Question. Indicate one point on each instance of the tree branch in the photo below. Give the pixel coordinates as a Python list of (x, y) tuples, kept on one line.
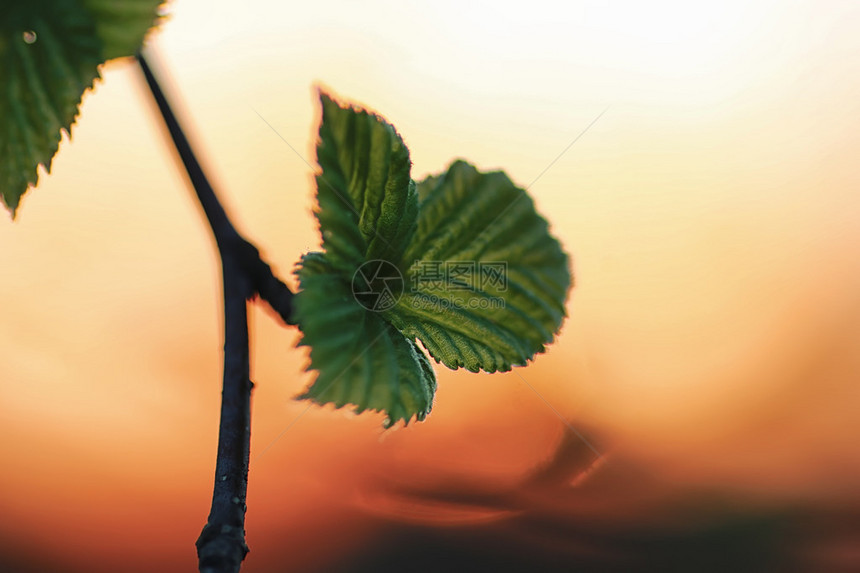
[(263, 281), (221, 546)]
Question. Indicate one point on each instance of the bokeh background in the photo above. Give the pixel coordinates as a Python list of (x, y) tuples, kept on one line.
[(710, 355)]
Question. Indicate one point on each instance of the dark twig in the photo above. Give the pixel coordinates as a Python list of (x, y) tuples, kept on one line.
[(263, 281), (221, 546), (222, 228)]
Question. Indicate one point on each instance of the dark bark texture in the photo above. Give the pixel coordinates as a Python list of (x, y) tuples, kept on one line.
[(221, 546)]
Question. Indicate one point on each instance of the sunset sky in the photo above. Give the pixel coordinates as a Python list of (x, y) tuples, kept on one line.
[(712, 214)]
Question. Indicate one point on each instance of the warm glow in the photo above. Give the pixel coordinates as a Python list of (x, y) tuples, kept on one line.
[(712, 214)]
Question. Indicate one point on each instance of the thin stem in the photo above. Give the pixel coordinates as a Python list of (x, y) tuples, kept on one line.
[(221, 546), (220, 223), (263, 281)]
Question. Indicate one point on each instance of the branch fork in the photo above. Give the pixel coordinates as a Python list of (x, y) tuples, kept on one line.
[(221, 546)]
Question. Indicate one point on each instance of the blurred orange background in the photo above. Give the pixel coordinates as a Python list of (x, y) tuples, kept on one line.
[(711, 212)]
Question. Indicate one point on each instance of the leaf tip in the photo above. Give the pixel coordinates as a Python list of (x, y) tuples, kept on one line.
[(12, 201), (325, 95)]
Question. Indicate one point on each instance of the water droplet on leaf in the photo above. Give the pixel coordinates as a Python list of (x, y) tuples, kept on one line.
[(29, 37)]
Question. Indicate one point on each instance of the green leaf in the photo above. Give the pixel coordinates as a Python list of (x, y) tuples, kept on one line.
[(361, 359), (122, 24), (481, 222), (50, 51), (366, 298), (367, 212), (368, 203)]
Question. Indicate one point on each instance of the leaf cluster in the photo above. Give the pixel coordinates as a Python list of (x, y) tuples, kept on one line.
[(403, 262), (50, 51)]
